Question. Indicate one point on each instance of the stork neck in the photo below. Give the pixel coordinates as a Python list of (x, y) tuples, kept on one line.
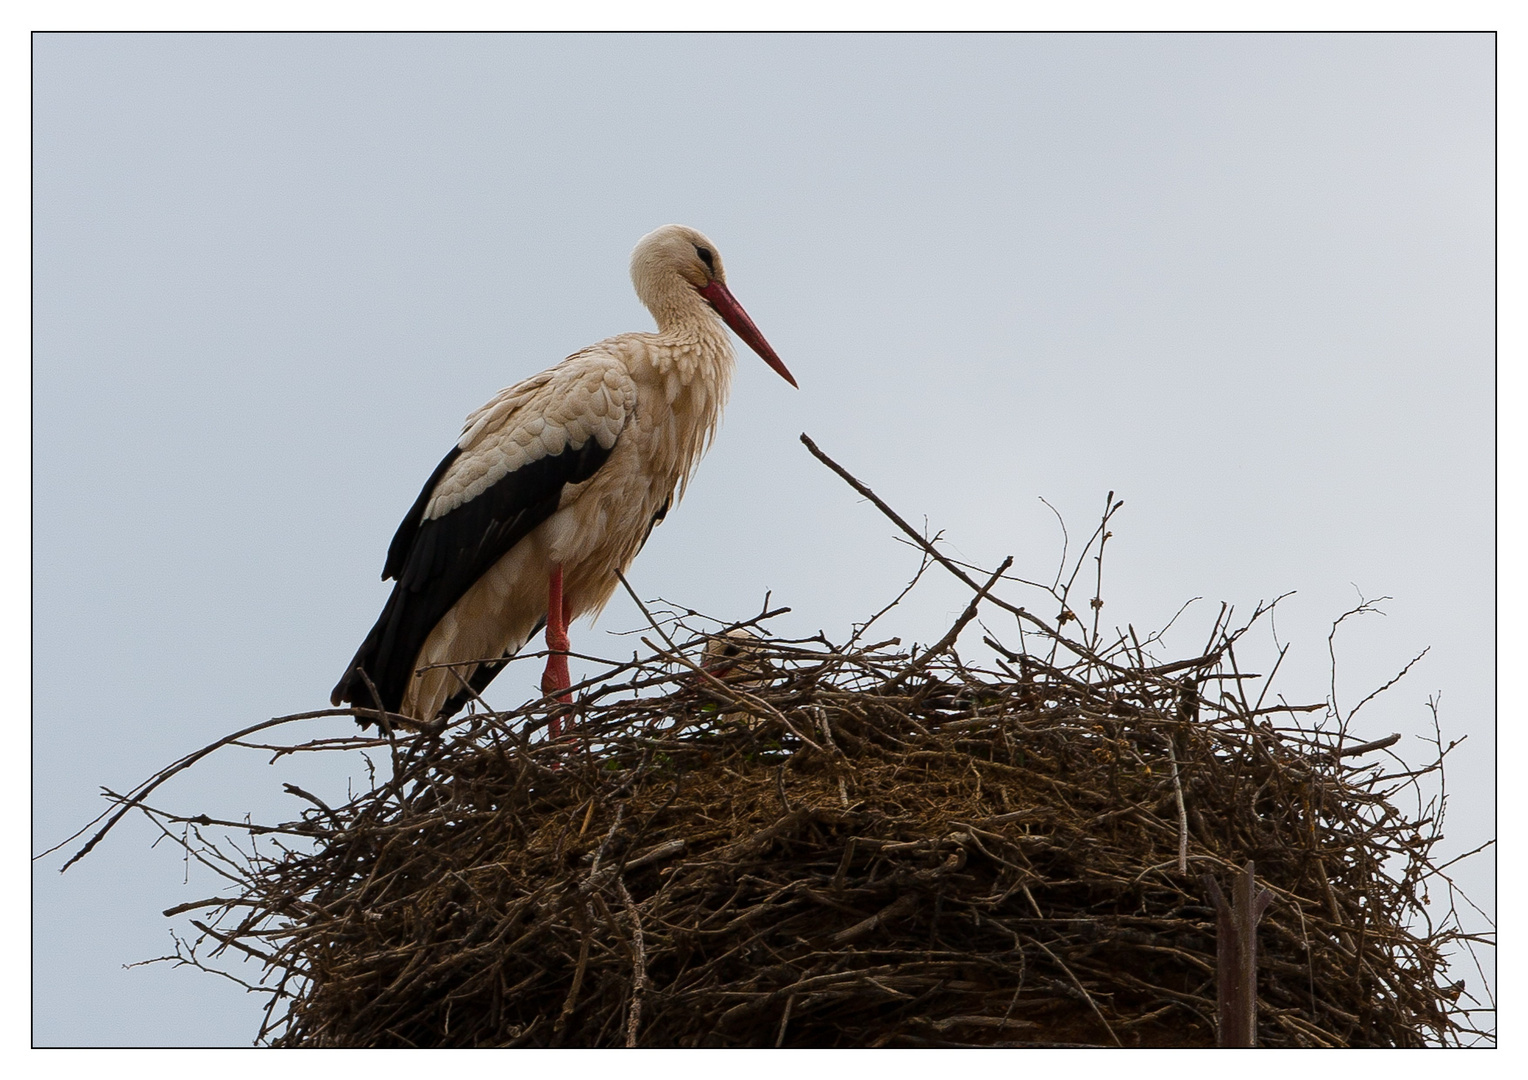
[(690, 354), (683, 315), (692, 342), (702, 327)]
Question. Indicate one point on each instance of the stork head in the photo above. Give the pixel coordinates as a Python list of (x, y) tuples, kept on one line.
[(673, 266)]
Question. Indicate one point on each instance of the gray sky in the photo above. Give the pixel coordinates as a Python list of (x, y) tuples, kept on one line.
[(1243, 282)]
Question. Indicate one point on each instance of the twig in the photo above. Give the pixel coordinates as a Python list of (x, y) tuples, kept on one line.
[(638, 966), (944, 643), (1172, 757)]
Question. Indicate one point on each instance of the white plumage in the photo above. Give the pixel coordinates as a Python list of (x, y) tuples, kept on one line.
[(553, 486), (589, 395)]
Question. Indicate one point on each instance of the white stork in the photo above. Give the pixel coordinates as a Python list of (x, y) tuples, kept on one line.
[(553, 487)]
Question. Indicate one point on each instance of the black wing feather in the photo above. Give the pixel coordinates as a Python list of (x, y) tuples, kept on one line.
[(435, 562), (403, 539)]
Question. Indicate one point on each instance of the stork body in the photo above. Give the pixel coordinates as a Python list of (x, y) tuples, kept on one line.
[(553, 487)]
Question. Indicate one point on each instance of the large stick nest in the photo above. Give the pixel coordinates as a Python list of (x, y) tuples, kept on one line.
[(750, 841)]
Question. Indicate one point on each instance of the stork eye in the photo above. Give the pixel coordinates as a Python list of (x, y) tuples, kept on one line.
[(706, 257)]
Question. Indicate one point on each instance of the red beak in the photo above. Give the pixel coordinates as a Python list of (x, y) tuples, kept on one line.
[(733, 315)]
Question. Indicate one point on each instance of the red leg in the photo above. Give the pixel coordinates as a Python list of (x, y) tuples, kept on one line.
[(556, 677)]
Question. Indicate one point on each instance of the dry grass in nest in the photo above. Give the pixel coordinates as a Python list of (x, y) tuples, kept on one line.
[(847, 844)]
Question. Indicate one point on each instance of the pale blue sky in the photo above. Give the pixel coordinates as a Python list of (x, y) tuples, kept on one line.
[(1244, 282)]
